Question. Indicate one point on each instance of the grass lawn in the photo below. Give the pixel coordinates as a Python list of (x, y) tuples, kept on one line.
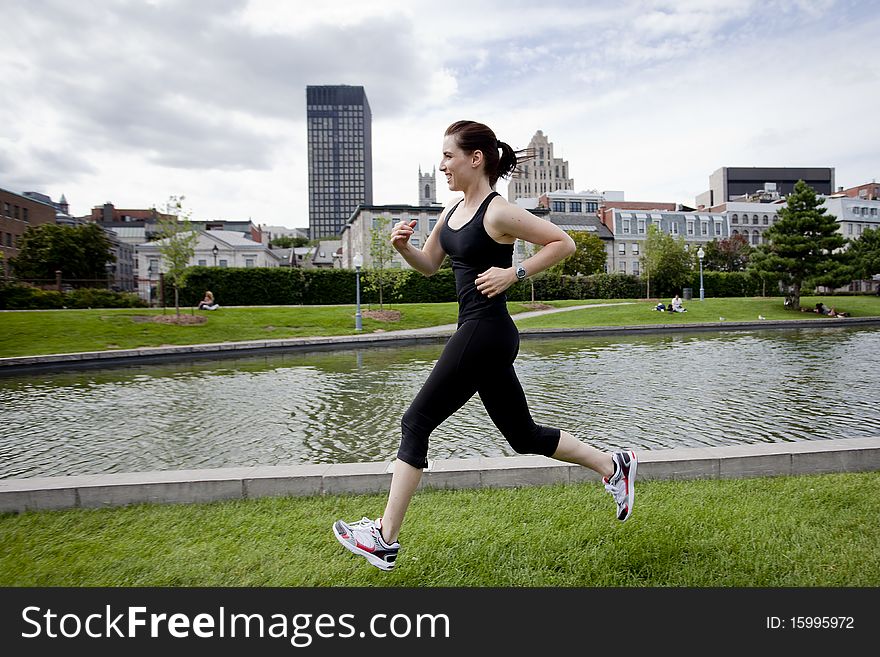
[(26, 333), (710, 310), (769, 532)]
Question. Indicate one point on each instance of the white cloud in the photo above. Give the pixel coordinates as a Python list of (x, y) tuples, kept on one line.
[(131, 102)]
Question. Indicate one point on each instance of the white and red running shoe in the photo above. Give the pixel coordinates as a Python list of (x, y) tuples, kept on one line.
[(364, 537), (621, 484)]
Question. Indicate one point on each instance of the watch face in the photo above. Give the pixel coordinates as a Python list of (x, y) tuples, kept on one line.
[(520, 272)]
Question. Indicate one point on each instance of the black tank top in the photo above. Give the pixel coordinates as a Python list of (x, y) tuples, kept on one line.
[(472, 252)]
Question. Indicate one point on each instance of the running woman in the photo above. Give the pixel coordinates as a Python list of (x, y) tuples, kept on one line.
[(478, 234)]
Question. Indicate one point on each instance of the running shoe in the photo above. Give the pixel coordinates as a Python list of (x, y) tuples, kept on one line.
[(364, 537), (621, 484)]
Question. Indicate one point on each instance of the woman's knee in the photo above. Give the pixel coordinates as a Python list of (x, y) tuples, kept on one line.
[(535, 440)]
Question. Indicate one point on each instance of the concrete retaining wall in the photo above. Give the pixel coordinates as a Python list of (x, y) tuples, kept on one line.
[(188, 486)]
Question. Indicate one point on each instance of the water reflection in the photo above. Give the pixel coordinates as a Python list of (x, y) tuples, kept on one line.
[(651, 392)]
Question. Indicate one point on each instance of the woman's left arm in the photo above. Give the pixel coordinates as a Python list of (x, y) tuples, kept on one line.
[(507, 221)]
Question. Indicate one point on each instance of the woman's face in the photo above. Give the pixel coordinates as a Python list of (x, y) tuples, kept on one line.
[(459, 167)]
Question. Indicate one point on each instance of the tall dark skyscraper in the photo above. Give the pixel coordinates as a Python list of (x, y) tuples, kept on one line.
[(340, 156)]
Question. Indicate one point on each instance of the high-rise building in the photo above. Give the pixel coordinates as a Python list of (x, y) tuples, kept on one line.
[(340, 156), (540, 175)]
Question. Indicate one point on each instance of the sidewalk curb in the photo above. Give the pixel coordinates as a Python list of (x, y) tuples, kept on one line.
[(199, 486)]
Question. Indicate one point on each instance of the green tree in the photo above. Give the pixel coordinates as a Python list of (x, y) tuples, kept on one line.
[(588, 258), (378, 276), (729, 254), (804, 248), (177, 244), (79, 252), (865, 254), (665, 261), (288, 241)]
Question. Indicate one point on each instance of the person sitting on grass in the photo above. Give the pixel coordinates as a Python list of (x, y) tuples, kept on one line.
[(676, 305), (208, 302)]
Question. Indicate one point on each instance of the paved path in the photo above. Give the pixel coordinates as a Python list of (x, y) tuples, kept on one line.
[(449, 328)]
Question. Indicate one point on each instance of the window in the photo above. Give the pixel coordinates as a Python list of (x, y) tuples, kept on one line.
[(635, 249), (636, 267), (224, 263), (673, 228), (203, 263), (855, 211), (734, 219), (432, 223), (864, 212), (641, 226), (25, 211), (717, 228), (873, 212), (849, 229), (621, 266), (756, 237), (704, 228), (574, 206), (766, 220), (734, 232), (414, 241), (558, 206), (690, 228), (755, 219), (626, 226), (621, 248), (249, 262)]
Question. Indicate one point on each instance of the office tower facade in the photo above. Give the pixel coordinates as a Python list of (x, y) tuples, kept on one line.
[(340, 156), (540, 175)]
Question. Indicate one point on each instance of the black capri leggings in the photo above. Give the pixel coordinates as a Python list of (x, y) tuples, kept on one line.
[(478, 358)]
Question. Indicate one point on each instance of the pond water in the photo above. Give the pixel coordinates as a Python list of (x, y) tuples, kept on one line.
[(647, 391)]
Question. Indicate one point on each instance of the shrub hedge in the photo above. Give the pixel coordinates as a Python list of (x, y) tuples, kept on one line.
[(17, 296), (292, 286)]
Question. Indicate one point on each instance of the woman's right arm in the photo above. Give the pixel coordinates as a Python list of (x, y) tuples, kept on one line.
[(426, 260)]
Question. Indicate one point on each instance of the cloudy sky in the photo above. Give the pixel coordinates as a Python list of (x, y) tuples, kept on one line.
[(132, 101)]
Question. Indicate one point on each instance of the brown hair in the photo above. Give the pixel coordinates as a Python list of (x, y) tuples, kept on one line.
[(472, 136)]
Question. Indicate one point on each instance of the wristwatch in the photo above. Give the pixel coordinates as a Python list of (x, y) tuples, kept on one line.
[(520, 273)]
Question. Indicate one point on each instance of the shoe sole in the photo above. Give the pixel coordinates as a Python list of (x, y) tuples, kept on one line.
[(369, 556), (630, 485)]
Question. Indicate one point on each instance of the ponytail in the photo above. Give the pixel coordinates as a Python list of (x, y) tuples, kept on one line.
[(472, 136)]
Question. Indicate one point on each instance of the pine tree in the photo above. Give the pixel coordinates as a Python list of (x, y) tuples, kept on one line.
[(804, 247), (865, 253)]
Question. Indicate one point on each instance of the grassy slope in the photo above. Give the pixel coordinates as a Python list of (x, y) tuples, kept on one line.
[(773, 532), (48, 332)]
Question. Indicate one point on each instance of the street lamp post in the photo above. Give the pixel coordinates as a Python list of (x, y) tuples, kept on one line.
[(700, 255), (358, 261), (150, 285), (214, 251)]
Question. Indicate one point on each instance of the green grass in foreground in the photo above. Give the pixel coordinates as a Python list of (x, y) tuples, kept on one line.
[(768, 532), (28, 333)]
